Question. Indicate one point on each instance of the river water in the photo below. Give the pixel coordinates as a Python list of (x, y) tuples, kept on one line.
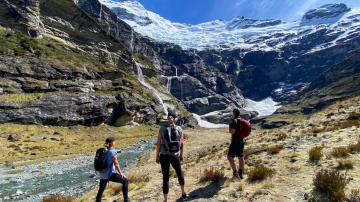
[(70, 177)]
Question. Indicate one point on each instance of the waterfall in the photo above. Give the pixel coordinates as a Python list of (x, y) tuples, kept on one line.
[(132, 40), (156, 92), (168, 85), (100, 12)]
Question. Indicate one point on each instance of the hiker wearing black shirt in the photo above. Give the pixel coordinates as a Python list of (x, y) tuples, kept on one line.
[(111, 174), (236, 147), (165, 157)]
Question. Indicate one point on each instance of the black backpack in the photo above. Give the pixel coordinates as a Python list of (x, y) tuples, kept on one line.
[(100, 160), (172, 139)]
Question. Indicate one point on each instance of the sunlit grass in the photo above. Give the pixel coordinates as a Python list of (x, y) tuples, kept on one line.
[(75, 140)]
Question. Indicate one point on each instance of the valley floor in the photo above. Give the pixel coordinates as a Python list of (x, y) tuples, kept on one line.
[(294, 172)]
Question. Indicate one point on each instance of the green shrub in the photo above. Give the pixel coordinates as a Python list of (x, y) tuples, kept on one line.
[(259, 173), (315, 153), (331, 183), (212, 175)]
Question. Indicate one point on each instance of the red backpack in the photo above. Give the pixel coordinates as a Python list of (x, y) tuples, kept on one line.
[(243, 129)]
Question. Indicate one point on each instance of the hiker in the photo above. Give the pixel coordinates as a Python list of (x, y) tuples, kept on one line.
[(170, 155), (236, 147), (110, 174)]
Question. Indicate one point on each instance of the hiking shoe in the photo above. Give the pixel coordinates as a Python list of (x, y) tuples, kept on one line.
[(127, 200), (240, 172), (235, 174), (185, 197)]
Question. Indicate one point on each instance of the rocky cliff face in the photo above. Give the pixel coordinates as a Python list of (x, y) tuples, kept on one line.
[(213, 90), (201, 87), (40, 87)]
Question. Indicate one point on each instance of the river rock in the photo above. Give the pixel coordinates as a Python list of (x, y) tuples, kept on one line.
[(14, 137)]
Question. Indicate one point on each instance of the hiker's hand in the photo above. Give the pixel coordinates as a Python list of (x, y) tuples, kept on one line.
[(181, 157), (122, 175), (232, 131), (157, 159), (230, 122)]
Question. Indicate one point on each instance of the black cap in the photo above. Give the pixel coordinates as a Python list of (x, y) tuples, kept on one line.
[(110, 140)]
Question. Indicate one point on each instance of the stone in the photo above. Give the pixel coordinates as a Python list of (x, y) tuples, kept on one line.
[(14, 137)]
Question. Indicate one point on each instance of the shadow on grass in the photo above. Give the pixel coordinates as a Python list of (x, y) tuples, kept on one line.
[(206, 192)]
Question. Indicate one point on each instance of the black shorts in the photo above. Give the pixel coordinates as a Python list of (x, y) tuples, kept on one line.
[(236, 149)]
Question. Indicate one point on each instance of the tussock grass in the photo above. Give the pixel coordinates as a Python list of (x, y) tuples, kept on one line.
[(281, 136), (315, 153), (331, 183), (138, 178), (340, 152), (114, 188), (354, 196), (259, 173), (59, 198), (240, 186), (354, 116), (212, 175), (345, 164), (275, 150), (354, 147)]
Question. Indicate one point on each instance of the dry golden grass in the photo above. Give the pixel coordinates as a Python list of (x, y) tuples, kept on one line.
[(138, 178), (340, 152), (36, 144), (59, 198), (331, 183), (211, 175), (345, 164), (275, 150), (259, 173), (315, 153), (354, 148), (354, 195), (15, 171)]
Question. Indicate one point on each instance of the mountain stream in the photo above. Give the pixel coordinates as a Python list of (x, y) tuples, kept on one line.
[(71, 177)]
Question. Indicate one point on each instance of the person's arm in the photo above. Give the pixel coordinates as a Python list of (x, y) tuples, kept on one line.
[(158, 144), (117, 166), (182, 147), (231, 130)]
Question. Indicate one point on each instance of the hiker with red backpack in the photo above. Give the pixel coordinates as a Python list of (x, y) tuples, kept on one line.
[(109, 156), (239, 129), (169, 150)]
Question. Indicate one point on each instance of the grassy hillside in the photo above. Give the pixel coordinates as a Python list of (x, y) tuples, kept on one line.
[(291, 163)]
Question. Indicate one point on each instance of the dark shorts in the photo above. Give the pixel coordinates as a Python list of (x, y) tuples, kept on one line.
[(236, 149)]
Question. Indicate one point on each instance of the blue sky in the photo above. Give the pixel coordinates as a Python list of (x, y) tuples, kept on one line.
[(198, 11)]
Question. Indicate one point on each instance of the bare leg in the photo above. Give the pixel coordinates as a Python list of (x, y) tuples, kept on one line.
[(183, 189), (232, 163), (165, 197), (241, 163)]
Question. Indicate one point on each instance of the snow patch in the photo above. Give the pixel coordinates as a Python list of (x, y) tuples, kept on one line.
[(264, 107)]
